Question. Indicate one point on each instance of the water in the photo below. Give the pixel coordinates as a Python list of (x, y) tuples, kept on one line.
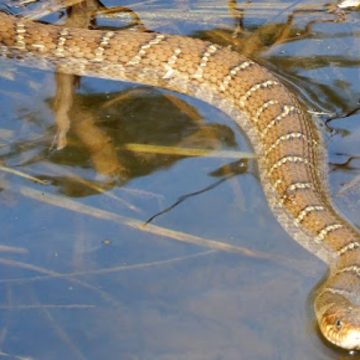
[(80, 279)]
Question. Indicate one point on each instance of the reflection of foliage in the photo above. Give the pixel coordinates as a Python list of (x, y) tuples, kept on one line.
[(143, 120), (102, 125)]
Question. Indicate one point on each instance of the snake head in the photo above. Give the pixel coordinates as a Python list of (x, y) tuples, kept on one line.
[(340, 324)]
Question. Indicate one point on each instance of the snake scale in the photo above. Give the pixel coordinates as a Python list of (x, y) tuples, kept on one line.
[(290, 153)]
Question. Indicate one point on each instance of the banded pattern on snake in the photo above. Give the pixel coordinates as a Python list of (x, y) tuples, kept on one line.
[(288, 145)]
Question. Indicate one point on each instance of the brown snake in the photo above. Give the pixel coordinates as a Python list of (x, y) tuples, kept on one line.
[(288, 145)]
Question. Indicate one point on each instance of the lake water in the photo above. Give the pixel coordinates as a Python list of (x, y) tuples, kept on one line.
[(213, 277)]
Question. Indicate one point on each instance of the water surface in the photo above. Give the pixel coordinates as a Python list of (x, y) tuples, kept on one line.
[(79, 278)]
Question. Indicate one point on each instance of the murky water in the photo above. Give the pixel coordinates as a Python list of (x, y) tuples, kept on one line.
[(81, 278)]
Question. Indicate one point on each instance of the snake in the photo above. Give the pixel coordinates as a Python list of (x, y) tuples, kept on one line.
[(291, 156)]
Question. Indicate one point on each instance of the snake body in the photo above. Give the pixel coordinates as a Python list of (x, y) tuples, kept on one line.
[(288, 145)]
